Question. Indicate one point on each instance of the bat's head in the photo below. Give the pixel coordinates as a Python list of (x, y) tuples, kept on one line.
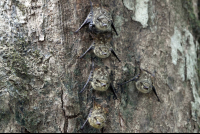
[(101, 21), (102, 51), (101, 81), (144, 85), (97, 119)]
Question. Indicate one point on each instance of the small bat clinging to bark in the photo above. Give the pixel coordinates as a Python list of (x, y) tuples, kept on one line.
[(101, 46), (99, 20), (97, 116), (100, 80), (143, 85)]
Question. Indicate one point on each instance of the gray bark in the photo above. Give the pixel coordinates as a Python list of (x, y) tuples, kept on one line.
[(41, 74)]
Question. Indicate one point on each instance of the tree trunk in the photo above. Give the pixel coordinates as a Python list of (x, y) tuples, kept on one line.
[(41, 73)]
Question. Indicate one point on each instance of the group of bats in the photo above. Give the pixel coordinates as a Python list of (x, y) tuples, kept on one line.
[(100, 26)]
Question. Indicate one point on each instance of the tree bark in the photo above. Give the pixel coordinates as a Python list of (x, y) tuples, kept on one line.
[(41, 73)]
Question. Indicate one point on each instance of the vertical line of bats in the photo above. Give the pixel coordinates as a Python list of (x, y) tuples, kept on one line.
[(101, 25)]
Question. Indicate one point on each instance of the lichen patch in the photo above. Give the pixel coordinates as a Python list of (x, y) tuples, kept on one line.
[(183, 42)]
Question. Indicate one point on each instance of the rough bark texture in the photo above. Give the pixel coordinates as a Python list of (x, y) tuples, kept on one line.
[(41, 74)]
